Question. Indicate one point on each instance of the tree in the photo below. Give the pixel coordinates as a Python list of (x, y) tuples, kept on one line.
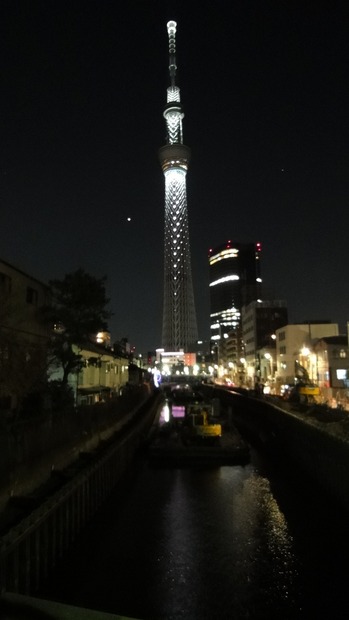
[(78, 311)]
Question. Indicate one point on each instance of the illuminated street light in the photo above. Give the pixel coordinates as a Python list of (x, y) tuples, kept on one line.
[(269, 357)]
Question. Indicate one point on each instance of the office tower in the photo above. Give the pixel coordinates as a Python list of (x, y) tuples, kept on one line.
[(234, 273), (179, 329)]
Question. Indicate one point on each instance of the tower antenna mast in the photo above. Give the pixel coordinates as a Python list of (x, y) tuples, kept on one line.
[(171, 29)]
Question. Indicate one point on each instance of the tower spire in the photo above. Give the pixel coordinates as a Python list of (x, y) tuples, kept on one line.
[(179, 328), (171, 29)]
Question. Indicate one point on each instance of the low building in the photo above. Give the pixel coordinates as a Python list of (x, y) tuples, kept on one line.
[(101, 376), (25, 364), (23, 334), (260, 320), (294, 344), (332, 368)]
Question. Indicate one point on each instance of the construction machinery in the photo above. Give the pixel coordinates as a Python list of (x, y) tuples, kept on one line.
[(198, 427), (305, 391)]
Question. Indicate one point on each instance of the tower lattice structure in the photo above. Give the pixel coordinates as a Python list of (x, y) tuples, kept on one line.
[(179, 328)]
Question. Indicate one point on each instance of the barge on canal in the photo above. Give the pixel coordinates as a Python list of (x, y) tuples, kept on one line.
[(189, 432)]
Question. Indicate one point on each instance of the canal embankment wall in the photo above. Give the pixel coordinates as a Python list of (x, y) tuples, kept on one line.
[(314, 439), (34, 446), (30, 549)]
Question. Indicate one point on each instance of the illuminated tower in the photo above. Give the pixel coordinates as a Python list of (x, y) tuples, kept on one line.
[(179, 328)]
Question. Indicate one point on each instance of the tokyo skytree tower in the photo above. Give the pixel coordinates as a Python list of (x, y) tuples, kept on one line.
[(179, 328)]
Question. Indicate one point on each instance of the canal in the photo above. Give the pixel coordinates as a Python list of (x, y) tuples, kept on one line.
[(252, 541)]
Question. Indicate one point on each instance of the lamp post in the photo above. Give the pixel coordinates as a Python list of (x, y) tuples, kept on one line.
[(305, 352), (243, 365), (269, 357)]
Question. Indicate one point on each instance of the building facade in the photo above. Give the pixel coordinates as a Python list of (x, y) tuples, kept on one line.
[(235, 280), (260, 320), (179, 328), (102, 374), (23, 334), (331, 359), (294, 345)]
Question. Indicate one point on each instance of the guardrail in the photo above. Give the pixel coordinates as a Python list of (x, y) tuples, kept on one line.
[(30, 550)]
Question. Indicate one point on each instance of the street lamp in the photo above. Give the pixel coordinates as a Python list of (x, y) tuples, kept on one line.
[(269, 357), (305, 352), (243, 376)]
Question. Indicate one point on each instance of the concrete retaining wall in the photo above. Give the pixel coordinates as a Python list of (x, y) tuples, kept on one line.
[(31, 549), (322, 455), (31, 448)]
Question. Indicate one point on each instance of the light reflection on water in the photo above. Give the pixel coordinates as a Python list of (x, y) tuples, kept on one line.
[(165, 414), (225, 548), (197, 544)]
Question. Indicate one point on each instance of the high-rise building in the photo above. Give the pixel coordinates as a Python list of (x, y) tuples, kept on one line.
[(179, 329), (235, 280)]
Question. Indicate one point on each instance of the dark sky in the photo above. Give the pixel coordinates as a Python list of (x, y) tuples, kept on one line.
[(265, 92)]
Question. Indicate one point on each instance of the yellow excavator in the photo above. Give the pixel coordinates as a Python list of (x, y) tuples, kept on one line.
[(304, 388), (198, 427), (308, 392)]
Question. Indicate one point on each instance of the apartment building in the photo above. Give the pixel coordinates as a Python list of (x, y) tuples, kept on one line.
[(23, 334)]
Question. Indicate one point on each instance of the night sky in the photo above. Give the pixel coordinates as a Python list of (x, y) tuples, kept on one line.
[(265, 92)]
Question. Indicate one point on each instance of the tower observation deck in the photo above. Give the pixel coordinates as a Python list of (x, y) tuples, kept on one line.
[(179, 328)]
